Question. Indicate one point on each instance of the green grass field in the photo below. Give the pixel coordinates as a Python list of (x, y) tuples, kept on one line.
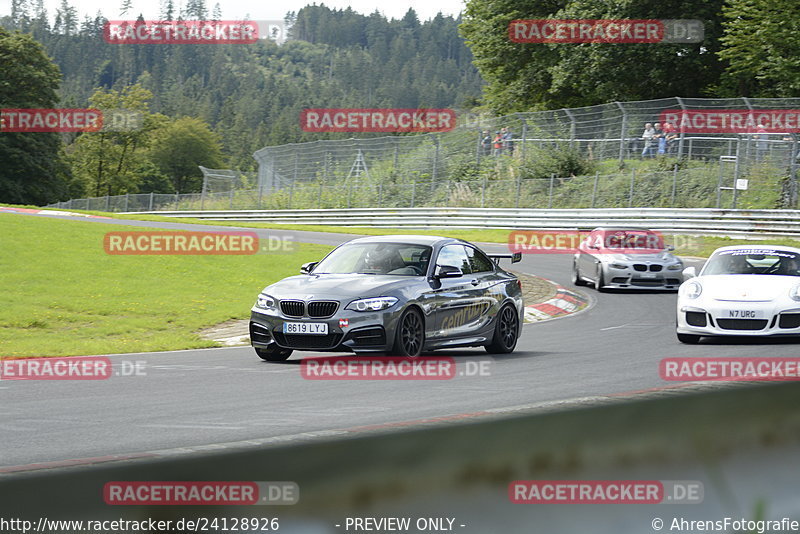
[(63, 295)]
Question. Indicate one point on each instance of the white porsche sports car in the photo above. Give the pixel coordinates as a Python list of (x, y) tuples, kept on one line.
[(746, 290)]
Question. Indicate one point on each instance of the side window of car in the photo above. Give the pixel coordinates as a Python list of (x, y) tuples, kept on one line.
[(454, 256), (478, 261)]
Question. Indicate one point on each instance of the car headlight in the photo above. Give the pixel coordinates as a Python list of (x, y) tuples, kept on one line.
[(619, 266), (374, 304), (691, 290), (265, 302), (794, 293), (675, 267)]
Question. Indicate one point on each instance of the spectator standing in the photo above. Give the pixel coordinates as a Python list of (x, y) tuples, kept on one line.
[(498, 143), (670, 135), (486, 143), (508, 141), (660, 138), (649, 144)]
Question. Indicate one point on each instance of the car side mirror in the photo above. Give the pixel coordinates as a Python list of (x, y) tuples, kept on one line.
[(689, 272), (448, 271), (306, 268)]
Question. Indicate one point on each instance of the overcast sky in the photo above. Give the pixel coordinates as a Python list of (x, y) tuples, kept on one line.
[(258, 10)]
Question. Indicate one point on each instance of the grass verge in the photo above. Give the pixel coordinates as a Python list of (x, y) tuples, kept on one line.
[(63, 295)]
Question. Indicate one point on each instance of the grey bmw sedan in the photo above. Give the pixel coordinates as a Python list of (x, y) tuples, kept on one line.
[(398, 295)]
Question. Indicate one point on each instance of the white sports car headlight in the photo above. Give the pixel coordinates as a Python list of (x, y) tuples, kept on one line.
[(265, 302), (794, 293), (691, 289), (374, 304)]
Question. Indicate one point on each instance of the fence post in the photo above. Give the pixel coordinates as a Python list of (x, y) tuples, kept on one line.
[(623, 131), (151, 201), (230, 200), (683, 134), (571, 127), (479, 147), (413, 191), (435, 161), (630, 195), (177, 201), (550, 199), (674, 184), (736, 169), (319, 198), (260, 192), (519, 191), (348, 196), (524, 137), (483, 192), (594, 191), (793, 174), (380, 195), (291, 194)]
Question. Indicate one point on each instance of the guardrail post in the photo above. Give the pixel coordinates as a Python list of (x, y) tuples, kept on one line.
[(550, 196), (594, 191), (630, 195), (151, 201)]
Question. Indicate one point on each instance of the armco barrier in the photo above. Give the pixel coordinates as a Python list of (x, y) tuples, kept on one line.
[(740, 442), (733, 223)]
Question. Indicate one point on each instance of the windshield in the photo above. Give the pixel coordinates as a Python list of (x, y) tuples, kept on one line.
[(397, 259), (750, 261)]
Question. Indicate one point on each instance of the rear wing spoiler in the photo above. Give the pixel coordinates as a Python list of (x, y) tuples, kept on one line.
[(515, 257)]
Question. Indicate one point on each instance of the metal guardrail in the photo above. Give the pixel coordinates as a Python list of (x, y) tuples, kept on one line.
[(734, 223)]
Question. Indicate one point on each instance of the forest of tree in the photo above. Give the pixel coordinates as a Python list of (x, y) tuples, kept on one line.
[(249, 95)]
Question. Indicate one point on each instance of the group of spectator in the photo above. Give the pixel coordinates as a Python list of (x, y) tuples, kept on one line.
[(501, 143), (659, 140)]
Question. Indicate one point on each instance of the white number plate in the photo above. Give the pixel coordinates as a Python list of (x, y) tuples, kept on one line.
[(743, 314), (648, 275), (319, 329)]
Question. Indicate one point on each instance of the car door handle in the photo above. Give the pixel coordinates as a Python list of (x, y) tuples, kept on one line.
[(475, 282)]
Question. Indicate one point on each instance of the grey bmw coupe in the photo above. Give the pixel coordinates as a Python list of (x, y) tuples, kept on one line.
[(398, 295)]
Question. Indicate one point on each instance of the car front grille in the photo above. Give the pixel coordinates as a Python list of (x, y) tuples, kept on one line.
[(742, 324), (656, 268), (789, 320), (696, 318), (307, 341), (640, 267), (320, 309), (293, 308)]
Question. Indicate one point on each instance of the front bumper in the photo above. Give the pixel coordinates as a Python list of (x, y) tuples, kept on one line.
[(632, 279), (348, 331), (735, 318)]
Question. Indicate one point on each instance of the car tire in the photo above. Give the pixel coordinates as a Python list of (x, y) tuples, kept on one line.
[(598, 278), (274, 354), (409, 338), (506, 331), (689, 339), (576, 275)]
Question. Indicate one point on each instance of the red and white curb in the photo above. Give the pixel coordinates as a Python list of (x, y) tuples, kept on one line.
[(564, 303), (28, 211)]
